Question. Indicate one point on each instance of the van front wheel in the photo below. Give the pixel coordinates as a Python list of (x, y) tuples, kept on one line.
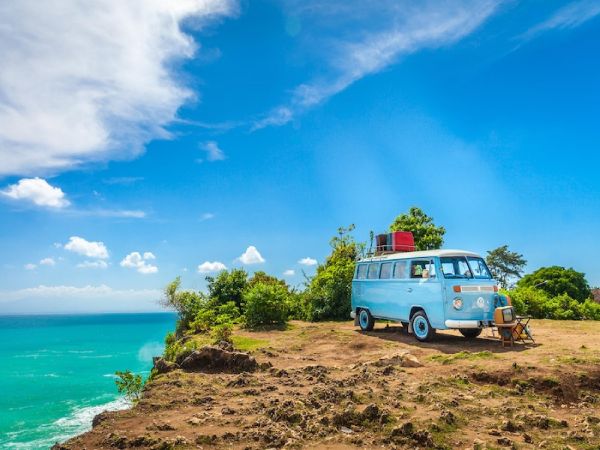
[(421, 327), (365, 320), (470, 333)]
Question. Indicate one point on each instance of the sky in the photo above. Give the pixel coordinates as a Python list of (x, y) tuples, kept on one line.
[(149, 139)]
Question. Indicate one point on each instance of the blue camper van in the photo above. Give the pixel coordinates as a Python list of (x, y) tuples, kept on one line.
[(425, 291)]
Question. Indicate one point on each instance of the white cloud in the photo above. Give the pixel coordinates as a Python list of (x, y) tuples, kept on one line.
[(207, 216), (308, 261), (569, 16), (91, 249), (213, 151), (98, 264), (140, 263), (30, 266), (208, 267), (35, 190), (251, 256), (57, 245), (289, 273), (122, 213), (47, 262), (402, 28), (92, 82)]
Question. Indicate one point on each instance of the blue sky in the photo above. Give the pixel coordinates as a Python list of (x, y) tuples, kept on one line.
[(141, 141)]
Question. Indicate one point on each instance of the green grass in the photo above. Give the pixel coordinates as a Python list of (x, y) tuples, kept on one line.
[(464, 355), (248, 344)]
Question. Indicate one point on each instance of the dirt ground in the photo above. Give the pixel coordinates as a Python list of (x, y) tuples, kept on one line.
[(331, 386)]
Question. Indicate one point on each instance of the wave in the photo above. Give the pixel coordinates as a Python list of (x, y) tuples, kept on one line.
[(77, 422)]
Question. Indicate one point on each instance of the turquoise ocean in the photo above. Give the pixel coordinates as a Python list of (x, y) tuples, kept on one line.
[(57, 371)]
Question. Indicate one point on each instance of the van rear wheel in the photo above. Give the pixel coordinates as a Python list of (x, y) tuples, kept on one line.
[(365, 320), (470, 333), (421, 327)]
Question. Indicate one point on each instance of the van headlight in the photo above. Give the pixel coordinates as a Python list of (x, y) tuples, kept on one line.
[(457, 303)]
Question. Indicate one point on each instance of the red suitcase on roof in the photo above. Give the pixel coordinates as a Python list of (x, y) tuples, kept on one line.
[(403, 241)]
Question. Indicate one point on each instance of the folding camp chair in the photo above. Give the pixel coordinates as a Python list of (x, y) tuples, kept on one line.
[(521, 332)]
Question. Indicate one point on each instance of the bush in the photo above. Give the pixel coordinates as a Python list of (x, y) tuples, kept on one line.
[(178, 350), (539, 305), (265, 304), (129, 384), (222, 333)]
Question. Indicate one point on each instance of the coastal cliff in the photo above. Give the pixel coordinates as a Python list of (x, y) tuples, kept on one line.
[(328, 385)]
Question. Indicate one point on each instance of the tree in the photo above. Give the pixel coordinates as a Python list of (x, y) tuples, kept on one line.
[(557, 281), (228, 286), (186, 303), (505, 265), (427, 235), (328, 294), (129, 384)]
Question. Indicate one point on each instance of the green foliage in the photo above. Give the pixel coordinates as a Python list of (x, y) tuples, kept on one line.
[(228, 286), (298, 306), (328, 294), (222, 333), (186, 303), (129, 384), (538, 304), (427, 235), (177, 350), (556, 281), (265, 304), (263, 277), (505, 265)]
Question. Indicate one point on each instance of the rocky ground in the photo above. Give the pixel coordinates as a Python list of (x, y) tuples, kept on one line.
[(328, 385)]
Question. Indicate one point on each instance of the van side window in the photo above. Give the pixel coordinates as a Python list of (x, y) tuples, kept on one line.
[(422, 269), (386, 270), (400, 269), (373, 269), (361, 272)]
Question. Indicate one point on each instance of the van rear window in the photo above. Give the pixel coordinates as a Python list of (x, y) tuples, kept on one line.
[(361, 272)]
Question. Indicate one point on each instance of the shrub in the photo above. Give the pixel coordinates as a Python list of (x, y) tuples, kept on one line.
[(178, 350), (129, 384), (265, 304), (539, 305), (227, 287), (186, 303), (222, 333), (328, 295)]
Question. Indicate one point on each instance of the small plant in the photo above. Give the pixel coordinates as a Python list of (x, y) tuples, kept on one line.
[(222, 333), (129, 384)]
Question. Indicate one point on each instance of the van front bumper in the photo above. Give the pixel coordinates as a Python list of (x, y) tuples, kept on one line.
[(353, 314), (464, 323)]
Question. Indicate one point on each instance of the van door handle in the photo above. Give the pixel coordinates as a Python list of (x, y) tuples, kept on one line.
[(409, 290)]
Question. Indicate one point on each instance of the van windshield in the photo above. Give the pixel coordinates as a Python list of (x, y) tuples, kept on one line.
[(464, 267)]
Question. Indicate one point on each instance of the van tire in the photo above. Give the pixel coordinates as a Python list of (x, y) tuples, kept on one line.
[(470, 333), (365, 320), (421, 327)]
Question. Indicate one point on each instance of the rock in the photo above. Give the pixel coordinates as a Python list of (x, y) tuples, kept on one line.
[(58, 446), (194, 421), (478, 444), (346, 430), (99, 418), (409, 360), (213, 359), (224, 345), (161, 365), (510, 426), (227, 411), (448, 417), (504, 442), (406, 429), (527, 438)]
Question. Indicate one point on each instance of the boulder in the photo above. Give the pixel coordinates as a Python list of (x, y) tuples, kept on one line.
[(161, 365), (212, 359), (409, 360)]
